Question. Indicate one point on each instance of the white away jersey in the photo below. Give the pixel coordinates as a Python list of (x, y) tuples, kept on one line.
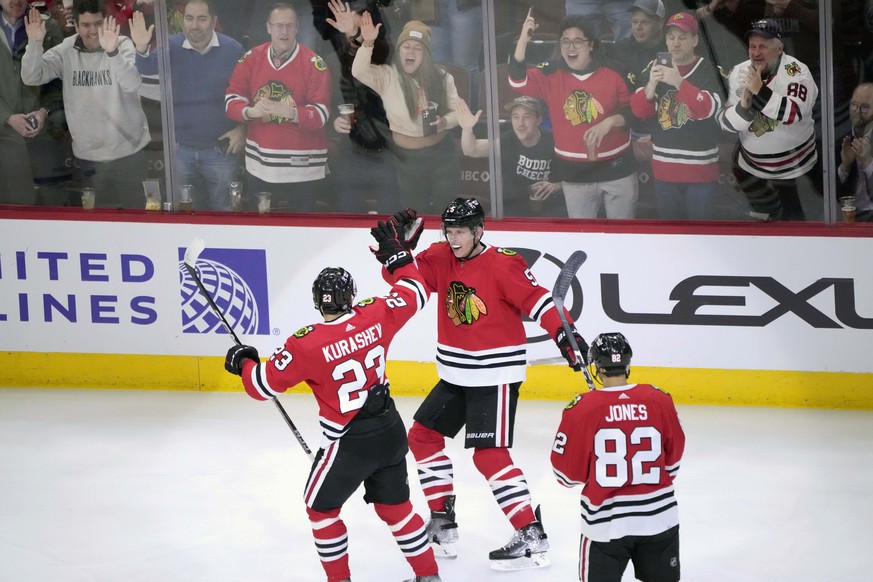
[(777, 135)]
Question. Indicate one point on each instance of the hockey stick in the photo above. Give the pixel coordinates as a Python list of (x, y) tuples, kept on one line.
[(559, 293), (191, 254)]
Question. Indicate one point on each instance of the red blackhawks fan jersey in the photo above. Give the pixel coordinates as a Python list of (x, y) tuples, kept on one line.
[(340, 360), (480, 335), (777, 136), (623, 444), (278, 150), (576, 102)]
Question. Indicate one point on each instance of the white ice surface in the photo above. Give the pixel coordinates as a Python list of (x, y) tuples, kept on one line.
[(130, 486)]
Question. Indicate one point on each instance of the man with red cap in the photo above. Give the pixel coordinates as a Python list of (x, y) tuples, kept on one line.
[(684, 94)]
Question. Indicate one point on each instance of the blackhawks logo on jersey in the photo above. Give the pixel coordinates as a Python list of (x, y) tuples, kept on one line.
[(671, 111), (367, 301), (507, 252), (581, 107), (574, 402), (792, 69), (463, 306), (761, 124), (305, 330), (274, 91), (318, 63)]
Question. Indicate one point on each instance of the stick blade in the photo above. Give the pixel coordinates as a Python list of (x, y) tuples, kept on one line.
[(193, 251), (567, 274)]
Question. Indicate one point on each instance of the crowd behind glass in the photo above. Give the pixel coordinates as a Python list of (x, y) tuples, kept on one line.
[(372, 105)]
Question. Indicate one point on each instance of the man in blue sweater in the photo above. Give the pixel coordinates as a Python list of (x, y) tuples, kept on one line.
[(208, 144)]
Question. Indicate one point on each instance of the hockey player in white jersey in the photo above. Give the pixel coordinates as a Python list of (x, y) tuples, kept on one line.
[(770, 106)]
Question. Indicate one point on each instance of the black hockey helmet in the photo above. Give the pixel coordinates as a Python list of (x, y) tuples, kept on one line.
[(334, 290), (611, 353), (464, 212)]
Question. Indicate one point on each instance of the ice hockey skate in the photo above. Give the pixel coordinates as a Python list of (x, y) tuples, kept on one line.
[(526, 549), (442, 531), (431, 578)]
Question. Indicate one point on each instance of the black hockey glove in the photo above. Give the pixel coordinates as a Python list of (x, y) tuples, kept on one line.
[(234, 360), (409, 226), (390, 252), (567, 349)]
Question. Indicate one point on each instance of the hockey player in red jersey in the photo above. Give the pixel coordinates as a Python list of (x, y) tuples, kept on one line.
[(364, 439), (481, 362), (623, 444)]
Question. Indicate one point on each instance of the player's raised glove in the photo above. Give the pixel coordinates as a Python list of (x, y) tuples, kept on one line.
[(409, 227), (567, 349), (233, 362), (390, 252)]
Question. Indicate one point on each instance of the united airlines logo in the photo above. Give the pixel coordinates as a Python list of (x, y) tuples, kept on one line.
[(237, 281)]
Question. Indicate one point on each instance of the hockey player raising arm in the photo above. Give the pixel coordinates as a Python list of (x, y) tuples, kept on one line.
[(481, 361), (343, 360), (622, 444)]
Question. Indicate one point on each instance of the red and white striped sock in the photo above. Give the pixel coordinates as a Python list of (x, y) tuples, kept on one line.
[(408, 530), (332, 543), (507, 483)]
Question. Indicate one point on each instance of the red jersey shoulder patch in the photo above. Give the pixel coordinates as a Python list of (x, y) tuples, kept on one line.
[(574, 402), (304, 331)]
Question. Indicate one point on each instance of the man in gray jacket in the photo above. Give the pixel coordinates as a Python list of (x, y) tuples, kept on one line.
[(101, 100)]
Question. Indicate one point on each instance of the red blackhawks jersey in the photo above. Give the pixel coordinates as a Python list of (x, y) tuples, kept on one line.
[(777, 137), (340, 360), (623, 444), (480, 335), (576, 102), (278, 150)]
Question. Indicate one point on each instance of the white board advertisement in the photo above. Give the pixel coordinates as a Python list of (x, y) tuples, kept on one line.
[(696, 301)]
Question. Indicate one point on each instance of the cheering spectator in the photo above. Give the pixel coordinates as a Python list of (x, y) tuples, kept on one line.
[(526, 153), (770, 107), (589, 108), (420, 101), (202, 60), (100, 84)]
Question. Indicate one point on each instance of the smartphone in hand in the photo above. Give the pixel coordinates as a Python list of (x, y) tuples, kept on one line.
[(664, 59)]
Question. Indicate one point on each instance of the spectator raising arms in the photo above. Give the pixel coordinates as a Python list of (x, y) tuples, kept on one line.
[(101, 100), (589, 108), (428, 164), (202, 61), (526, 153)]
